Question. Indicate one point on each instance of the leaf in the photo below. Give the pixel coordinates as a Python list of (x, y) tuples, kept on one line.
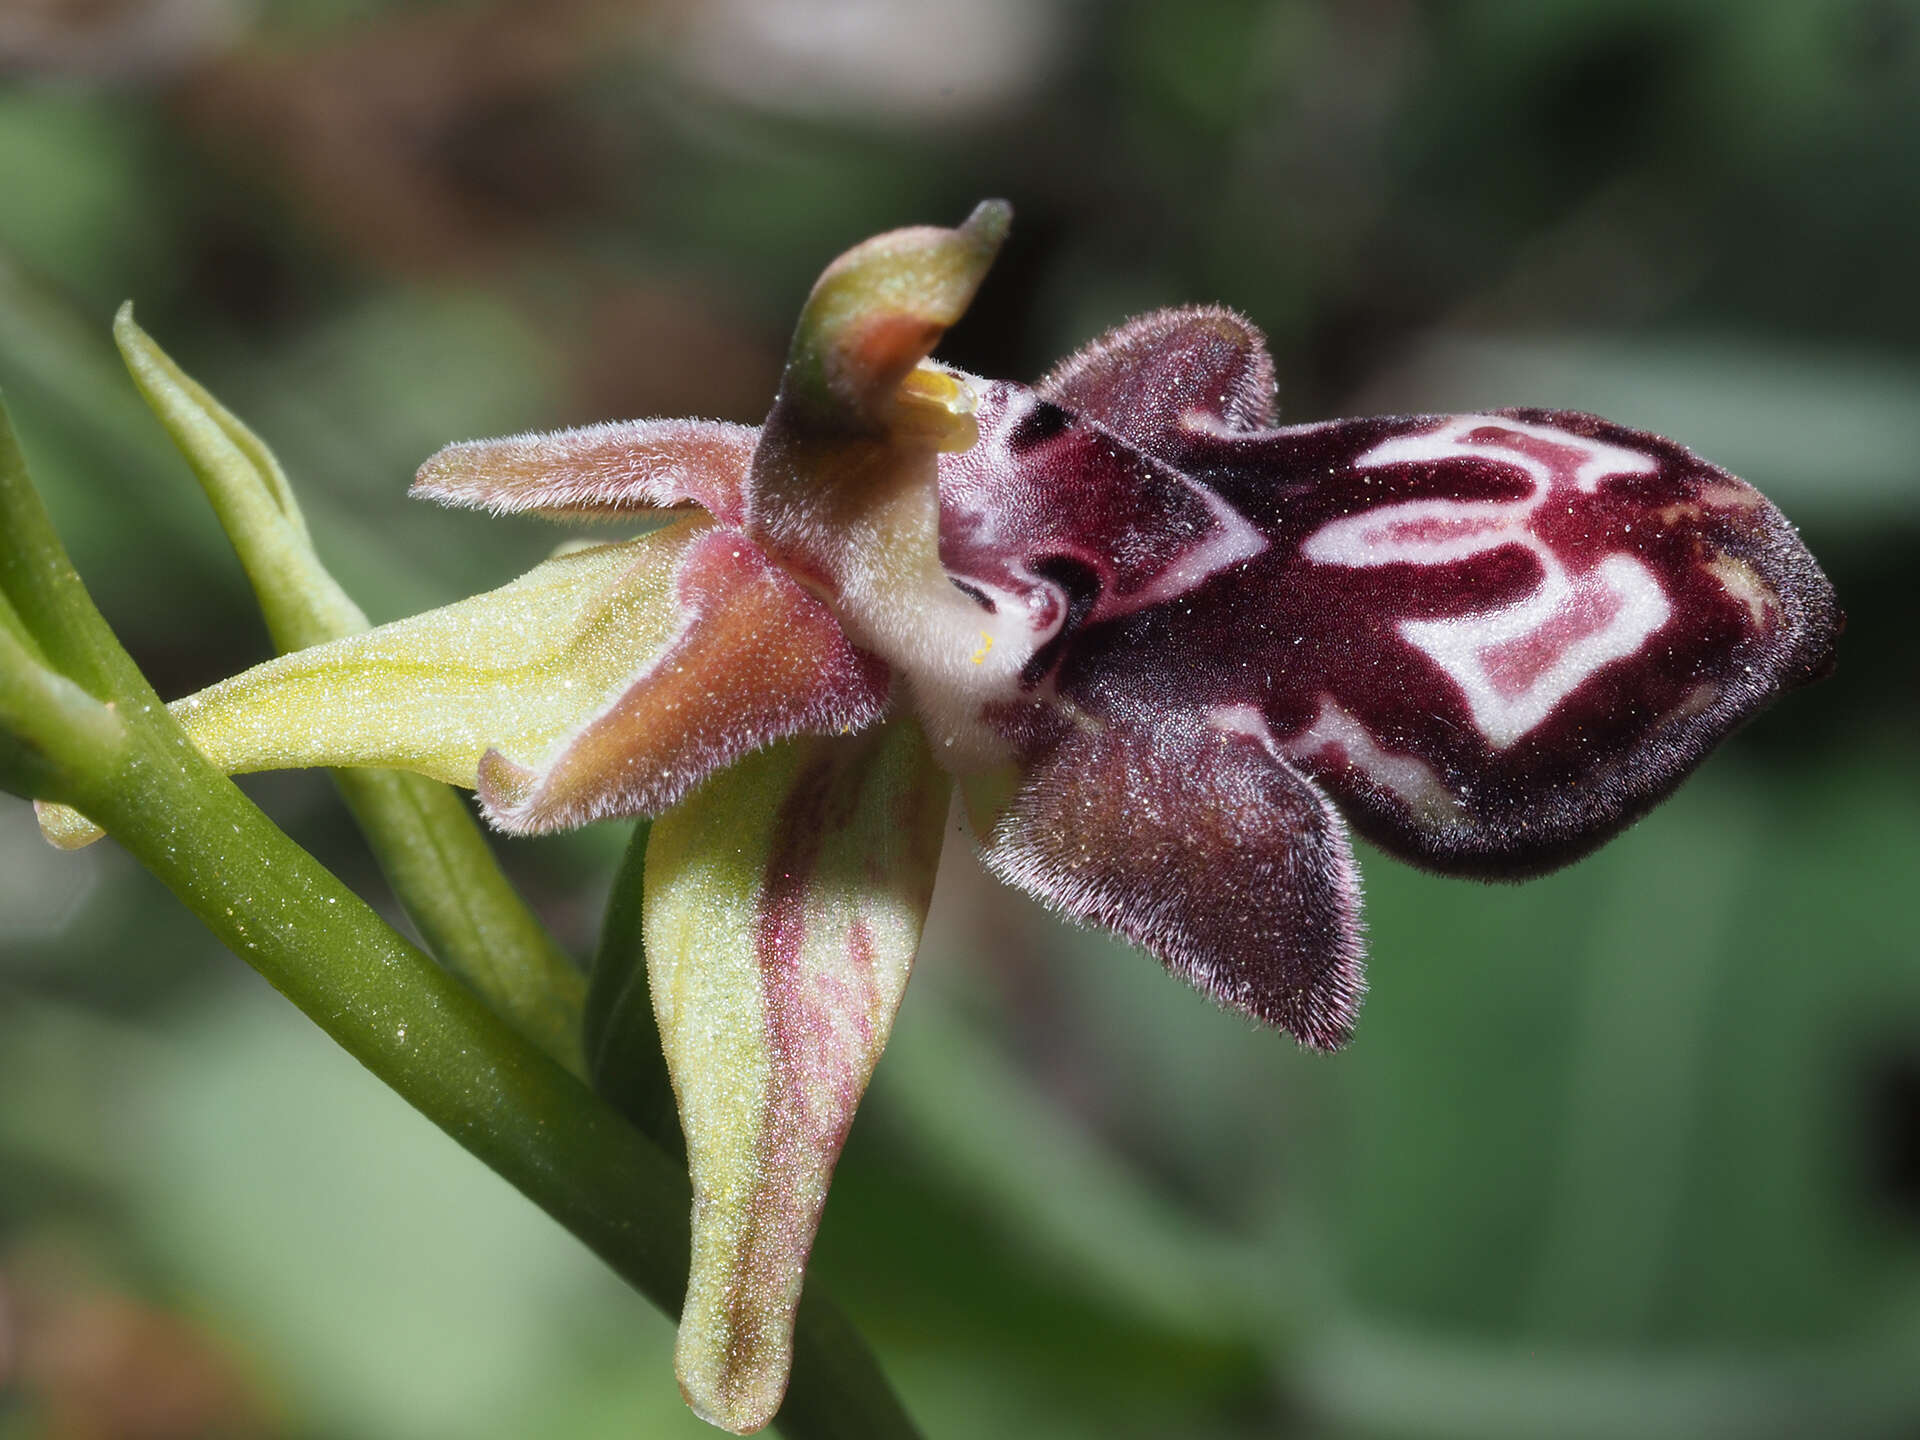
[(302, 603)]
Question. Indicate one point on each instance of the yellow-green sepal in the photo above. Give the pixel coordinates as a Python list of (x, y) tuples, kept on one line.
[(516, 669), (784, 901)]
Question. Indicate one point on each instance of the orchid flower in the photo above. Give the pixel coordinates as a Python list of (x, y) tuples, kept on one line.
[(1168, 649)]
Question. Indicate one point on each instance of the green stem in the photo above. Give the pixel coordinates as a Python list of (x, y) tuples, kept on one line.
[(51, 606), (29, 652), (49, 726), (409, 1022), (429, 847), (451, 885)]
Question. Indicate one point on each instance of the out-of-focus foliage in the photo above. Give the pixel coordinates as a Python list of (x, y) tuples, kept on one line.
[(1634, 1150)]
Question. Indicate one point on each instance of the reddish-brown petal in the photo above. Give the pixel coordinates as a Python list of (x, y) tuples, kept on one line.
[(1200, 844), (598, 471), (756, 658)]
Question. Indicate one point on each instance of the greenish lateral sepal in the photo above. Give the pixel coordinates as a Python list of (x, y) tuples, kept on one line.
[(784, 902)]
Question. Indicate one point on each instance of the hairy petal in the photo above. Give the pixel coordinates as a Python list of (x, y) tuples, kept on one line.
[(1198, 843), (754, 658), (783, 907), (610, 471), (607, 681), (1166, 375), (1495, 639)]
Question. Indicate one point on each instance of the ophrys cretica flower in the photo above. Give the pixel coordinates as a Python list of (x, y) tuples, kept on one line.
[(1167, 648)]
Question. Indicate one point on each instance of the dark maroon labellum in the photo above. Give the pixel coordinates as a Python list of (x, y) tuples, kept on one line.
[(1493, 639)]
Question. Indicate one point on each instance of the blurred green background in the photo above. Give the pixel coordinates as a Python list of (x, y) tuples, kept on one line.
[(1630, 1151)]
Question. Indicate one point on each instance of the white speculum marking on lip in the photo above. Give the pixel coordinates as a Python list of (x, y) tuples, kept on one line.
[(1233, 540), (1516, 663), (1338, 737)]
